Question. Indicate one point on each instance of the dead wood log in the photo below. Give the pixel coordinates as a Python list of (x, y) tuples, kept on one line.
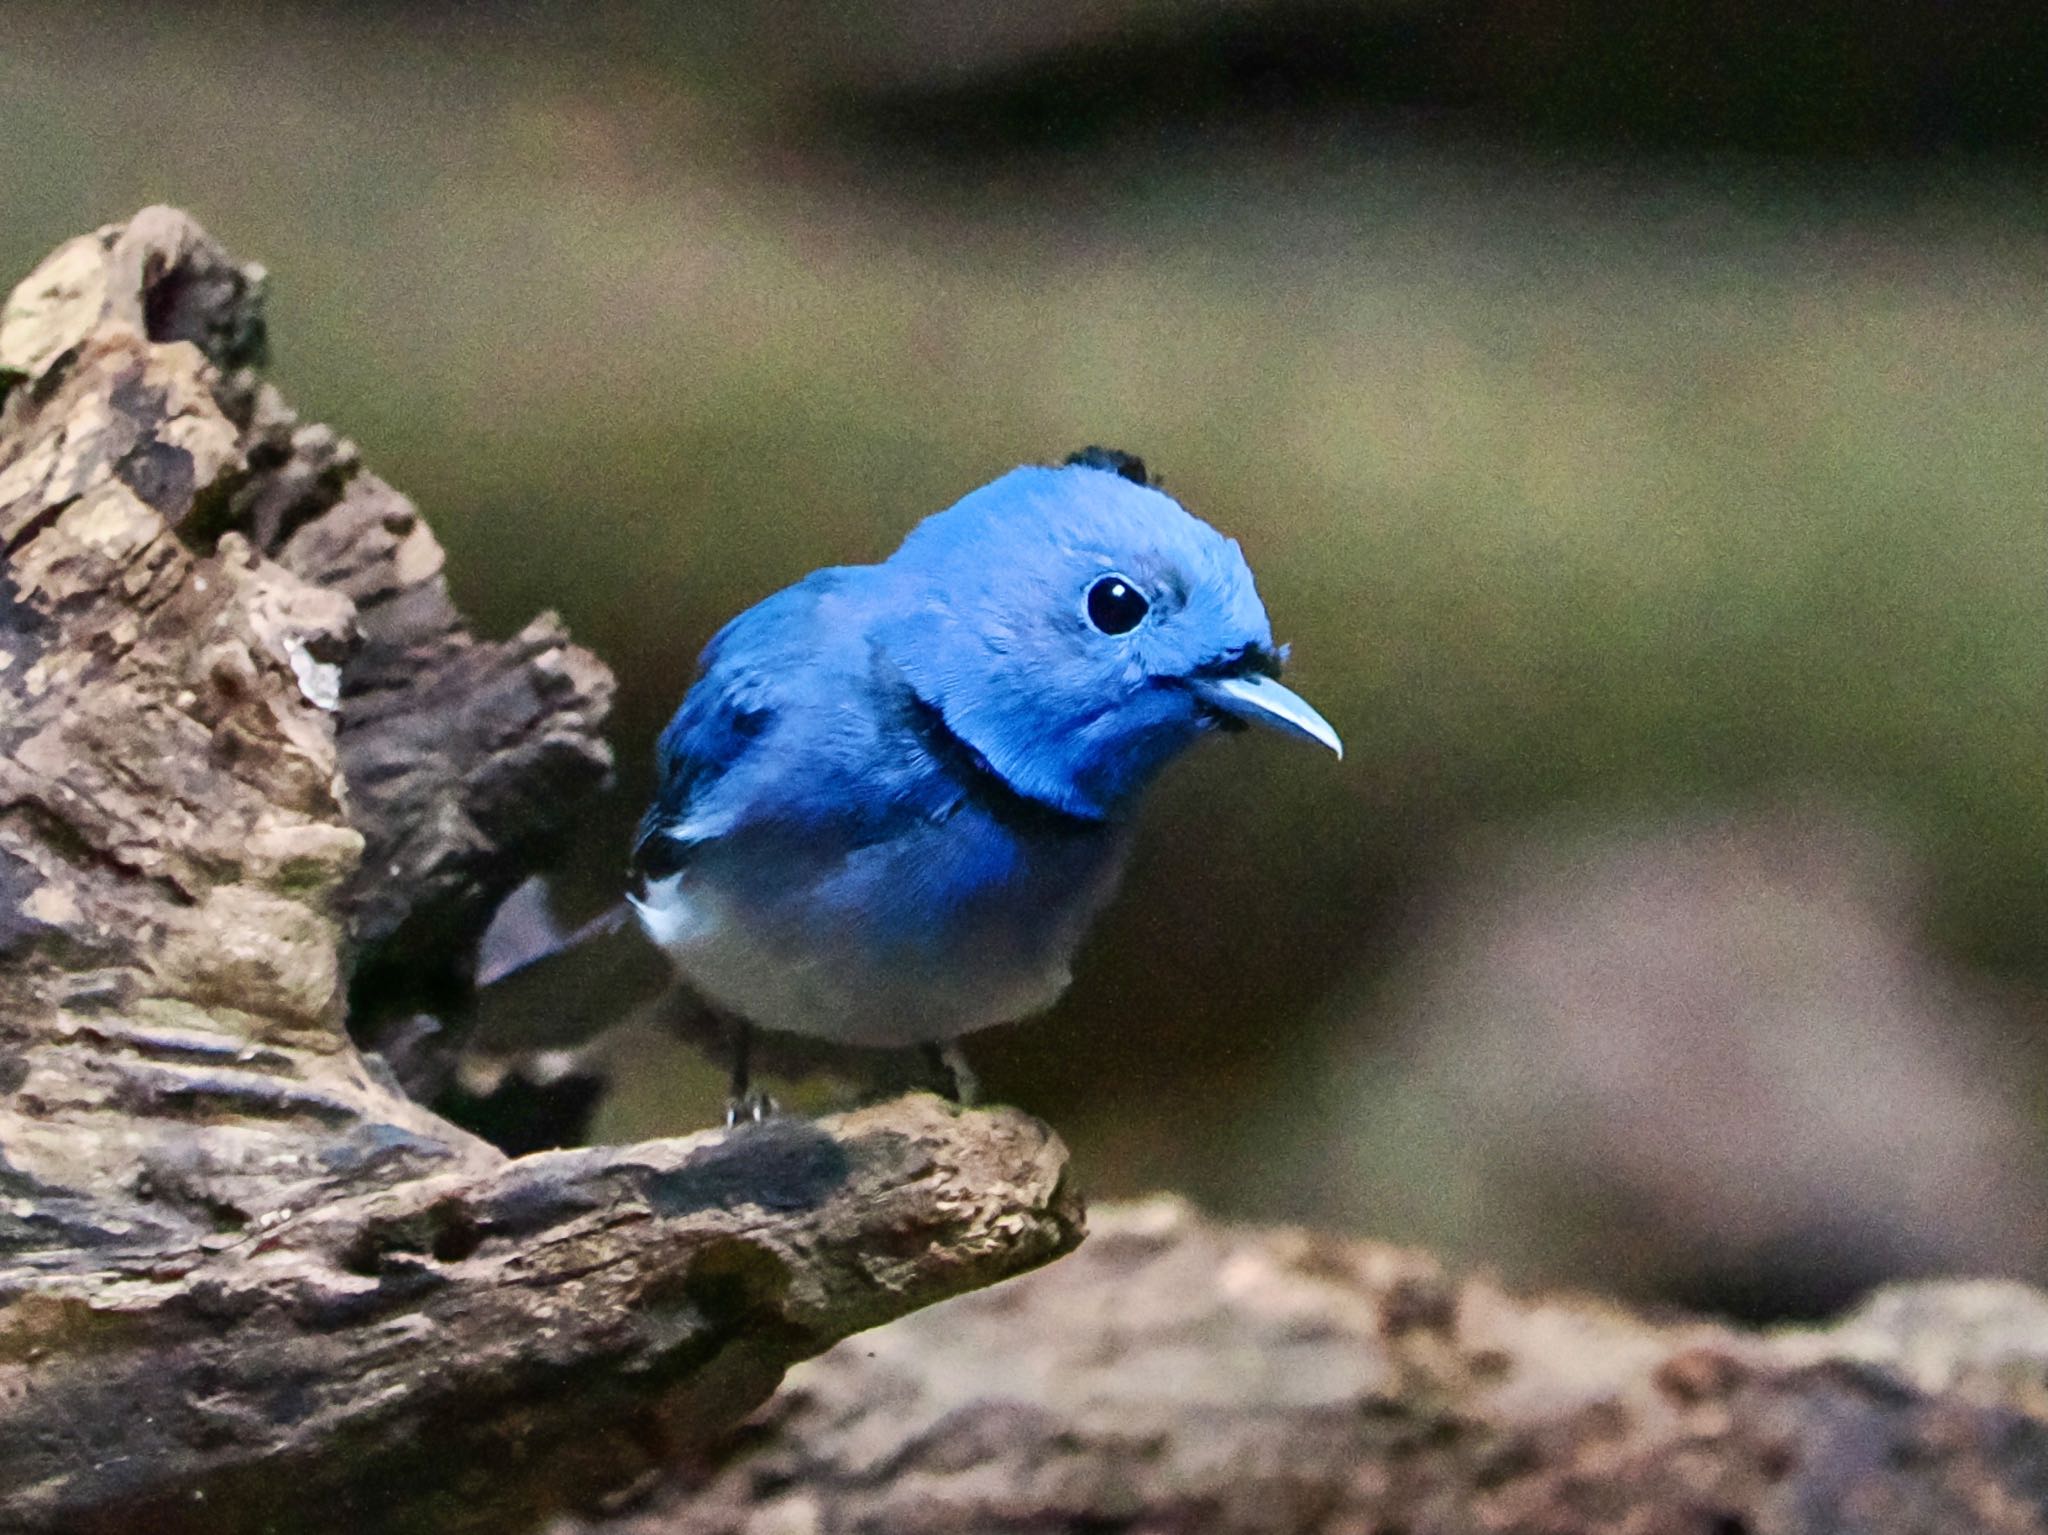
[(247, 751), (1180, 1376)]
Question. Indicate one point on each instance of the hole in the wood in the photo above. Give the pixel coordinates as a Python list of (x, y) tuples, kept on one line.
[(458, 1237), (446, 1232)]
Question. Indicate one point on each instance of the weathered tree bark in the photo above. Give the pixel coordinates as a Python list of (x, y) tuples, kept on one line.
[(248, 752), (1178, 1376)]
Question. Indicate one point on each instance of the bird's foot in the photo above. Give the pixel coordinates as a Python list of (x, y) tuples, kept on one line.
[(955, 1077), (750, 1108)]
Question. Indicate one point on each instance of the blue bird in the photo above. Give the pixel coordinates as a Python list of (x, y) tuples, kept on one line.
[(898, 794)]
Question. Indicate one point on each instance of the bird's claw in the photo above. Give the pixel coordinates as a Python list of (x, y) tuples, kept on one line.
[(954, 1078), (750, 1108)]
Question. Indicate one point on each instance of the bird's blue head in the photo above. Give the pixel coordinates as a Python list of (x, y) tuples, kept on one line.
[(1077, 628)]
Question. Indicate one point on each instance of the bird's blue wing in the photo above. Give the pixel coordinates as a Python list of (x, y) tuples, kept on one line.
[(784, 729), (728, 708)]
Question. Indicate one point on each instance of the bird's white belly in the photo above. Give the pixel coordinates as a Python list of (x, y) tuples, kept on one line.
[(830, 986)]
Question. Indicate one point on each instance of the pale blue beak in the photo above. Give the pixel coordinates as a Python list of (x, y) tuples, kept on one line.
[(1260, 700)]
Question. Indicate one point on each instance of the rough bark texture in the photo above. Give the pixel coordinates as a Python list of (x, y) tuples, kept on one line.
[(248, 752), (1177, 1377)]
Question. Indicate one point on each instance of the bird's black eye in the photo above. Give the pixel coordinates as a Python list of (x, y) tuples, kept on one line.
[(1115, 606)]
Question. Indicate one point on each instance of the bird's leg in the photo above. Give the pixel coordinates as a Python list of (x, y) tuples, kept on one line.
[(744, 1103), (949, 1064)]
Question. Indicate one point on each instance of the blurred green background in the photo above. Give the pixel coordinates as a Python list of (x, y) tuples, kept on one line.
[(1635, 416)]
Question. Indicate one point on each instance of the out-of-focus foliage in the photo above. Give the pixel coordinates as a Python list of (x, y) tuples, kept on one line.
[(1582, 479)]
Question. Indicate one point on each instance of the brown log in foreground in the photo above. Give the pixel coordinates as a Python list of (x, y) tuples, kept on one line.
[(247, 749), (1181, 1376)]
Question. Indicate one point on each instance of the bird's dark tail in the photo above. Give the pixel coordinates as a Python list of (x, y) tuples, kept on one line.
[(525, 931), (543, 986)]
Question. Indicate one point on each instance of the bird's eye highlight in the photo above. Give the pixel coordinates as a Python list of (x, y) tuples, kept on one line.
[(1115, 606)]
